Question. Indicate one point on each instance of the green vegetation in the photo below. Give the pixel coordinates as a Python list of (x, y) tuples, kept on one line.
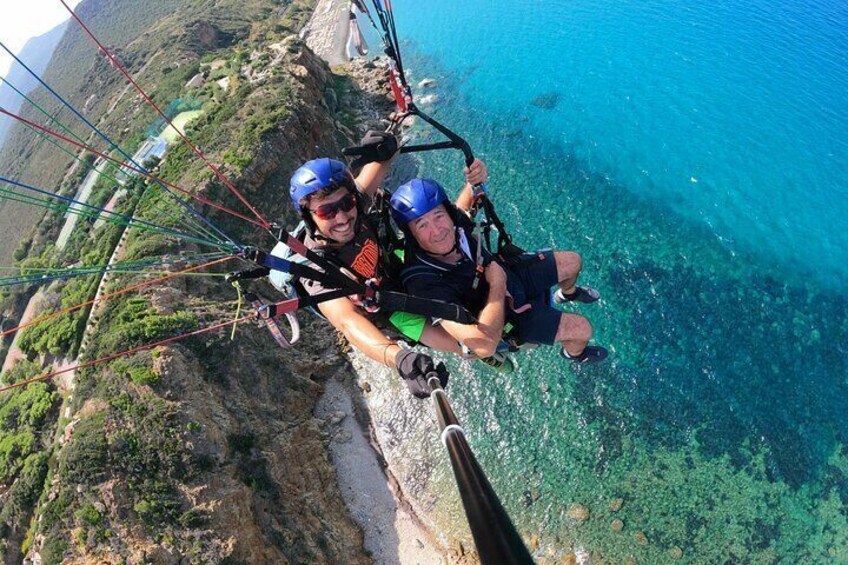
[(252, 466), (170, 86), (137, 369), (127, 432), (296, 15), (62, 334), (25, 491), (84, 460), (23, 417), (134, 322), (27, 418), (73, 181)]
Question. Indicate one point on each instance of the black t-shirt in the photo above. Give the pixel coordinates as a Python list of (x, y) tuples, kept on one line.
[(363, 255)]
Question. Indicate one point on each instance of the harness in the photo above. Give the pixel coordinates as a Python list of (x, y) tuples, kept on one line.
[(291, 260)]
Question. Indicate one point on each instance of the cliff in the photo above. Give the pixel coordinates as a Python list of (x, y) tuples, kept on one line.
[(207, 451)]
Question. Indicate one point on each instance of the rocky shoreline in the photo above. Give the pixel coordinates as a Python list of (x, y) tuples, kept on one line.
[(394, 528)]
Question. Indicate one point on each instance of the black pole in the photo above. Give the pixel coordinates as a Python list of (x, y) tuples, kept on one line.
[(494, 534)]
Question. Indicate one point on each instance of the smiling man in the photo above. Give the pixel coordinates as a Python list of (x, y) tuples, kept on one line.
[(441, 263), (344, 224)]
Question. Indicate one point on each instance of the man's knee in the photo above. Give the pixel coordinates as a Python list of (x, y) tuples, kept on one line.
[(575, 328), (568, 264)]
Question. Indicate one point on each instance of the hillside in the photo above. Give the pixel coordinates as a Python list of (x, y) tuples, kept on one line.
[(161, 43), (207, 451)]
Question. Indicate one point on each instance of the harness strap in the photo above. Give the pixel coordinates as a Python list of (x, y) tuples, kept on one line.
[(326, 278), (273, 326), (479, 269), (400, 302)]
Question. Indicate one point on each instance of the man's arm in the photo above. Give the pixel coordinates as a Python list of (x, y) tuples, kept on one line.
[(413, 367), (475, 174), (372, 176), (483, 337), (360, 331), (378, 150)]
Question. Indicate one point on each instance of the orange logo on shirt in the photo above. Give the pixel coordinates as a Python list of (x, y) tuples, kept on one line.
[(365, 263)]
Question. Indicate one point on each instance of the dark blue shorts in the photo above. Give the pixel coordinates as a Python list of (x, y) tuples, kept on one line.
[(530, 282)]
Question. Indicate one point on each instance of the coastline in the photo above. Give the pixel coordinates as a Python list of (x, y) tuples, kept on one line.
[(393, 532)]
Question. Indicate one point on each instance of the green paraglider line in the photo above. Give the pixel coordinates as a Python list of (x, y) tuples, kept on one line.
[(130, 167), (120, 68), (112, 144), (42, 132), (52, 118), (112, 217), (45, 274)]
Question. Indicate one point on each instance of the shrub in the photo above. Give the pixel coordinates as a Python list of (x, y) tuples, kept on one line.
[(89, 515), (85, 458), (24, 492)]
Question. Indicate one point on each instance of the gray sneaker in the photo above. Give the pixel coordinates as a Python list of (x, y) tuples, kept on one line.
[(499, 362), (584, 294), (591, 354)]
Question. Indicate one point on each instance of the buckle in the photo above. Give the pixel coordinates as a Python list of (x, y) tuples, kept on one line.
[(370, 298)]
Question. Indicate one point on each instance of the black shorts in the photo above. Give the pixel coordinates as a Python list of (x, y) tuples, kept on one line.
[(534, 275)]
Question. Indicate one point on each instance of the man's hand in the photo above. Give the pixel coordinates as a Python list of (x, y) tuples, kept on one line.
[(414, 367), (495, 275), (476, 173), (376, 146)]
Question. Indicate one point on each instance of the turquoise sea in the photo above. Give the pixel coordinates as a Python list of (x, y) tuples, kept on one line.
[(695, 154)]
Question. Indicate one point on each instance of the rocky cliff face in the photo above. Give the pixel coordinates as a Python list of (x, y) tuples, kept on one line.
[(218, 456)]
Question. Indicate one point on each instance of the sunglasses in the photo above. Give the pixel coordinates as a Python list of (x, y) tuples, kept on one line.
[(329, 211)]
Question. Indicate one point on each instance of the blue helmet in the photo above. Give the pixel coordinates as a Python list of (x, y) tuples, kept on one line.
[(415, 198), (316, 175)]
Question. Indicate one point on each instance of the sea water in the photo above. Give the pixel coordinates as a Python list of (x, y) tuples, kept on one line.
[(695, 155)]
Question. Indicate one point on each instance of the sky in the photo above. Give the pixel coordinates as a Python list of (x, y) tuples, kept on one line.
[(21, 21)]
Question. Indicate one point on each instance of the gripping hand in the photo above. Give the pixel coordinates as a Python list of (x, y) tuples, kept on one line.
[(379, 146), (414, 367)]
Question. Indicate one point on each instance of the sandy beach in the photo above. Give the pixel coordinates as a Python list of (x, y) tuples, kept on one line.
[(392, 532), (326, 32)]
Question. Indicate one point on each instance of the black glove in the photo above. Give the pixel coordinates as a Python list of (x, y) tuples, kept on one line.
[(375, 146), (414, 367)]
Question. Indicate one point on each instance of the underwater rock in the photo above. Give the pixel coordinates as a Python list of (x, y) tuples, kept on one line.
[(531, 496), (641, 538), (616, 504), (617, 525), (534, 542), (429, 99), (569, 559), (547, 101), (675, 552), (578, 512)]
